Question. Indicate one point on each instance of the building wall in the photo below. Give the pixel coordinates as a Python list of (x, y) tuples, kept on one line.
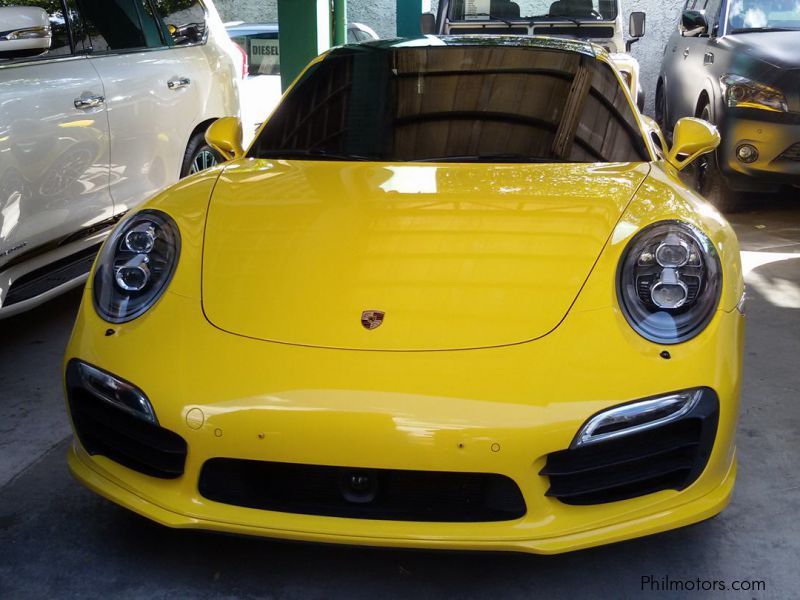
[(662, 18)]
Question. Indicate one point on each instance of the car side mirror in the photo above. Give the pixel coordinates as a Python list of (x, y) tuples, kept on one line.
[(427, 23), (25, 31), (691, 138), (693, 23), (225, 136), (636, 24), (636, 28)]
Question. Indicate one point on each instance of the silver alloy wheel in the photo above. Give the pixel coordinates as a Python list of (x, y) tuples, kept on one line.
[(203, 160)]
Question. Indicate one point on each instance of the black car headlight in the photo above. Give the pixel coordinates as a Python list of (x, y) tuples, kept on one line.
[(742, 92), (669, 282), (135, 266)]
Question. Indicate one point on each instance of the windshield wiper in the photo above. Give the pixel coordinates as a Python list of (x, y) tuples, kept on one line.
[(496, 157), (754, 29), (551, 16), (311, 154)]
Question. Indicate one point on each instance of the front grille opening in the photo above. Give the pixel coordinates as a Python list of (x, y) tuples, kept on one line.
[(106, 430), (668, 457), (51, 276), (397, 495)]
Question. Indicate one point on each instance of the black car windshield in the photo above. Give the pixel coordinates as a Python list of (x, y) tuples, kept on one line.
[(481, 10), (763, 15), (455, 103)]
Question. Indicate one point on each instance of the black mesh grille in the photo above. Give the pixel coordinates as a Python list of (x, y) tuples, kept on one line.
[(394, 495), (667, 457), (106, 430)]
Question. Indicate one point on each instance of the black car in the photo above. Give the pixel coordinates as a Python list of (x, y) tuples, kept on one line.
[(736, 63)]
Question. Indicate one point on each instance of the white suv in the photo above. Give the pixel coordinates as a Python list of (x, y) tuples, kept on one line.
[(102, 102)]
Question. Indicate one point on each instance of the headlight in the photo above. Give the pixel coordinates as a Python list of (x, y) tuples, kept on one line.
[(742, 92), (669, 282), (135, 266)]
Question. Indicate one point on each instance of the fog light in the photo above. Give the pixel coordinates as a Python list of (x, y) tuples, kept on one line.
[(747, 153), (636, 417)]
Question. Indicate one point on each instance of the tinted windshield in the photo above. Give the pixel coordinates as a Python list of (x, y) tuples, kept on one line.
[(476, 10), (455, 103), (748, 15)]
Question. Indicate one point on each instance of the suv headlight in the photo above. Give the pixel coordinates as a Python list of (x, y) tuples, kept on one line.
[(135, 266), (742, 92), (669, 282)]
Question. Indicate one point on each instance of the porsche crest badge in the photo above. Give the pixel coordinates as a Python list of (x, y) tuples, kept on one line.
[(372, 319)]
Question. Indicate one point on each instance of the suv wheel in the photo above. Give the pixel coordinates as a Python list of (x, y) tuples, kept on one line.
[(711, 183), (199, 155), (661, 108)]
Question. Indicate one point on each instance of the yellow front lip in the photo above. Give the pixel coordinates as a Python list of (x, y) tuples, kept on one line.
[(703, 508)]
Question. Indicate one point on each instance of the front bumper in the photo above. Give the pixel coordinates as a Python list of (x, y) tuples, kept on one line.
[(495, 410), (313, 529), (773, 135)]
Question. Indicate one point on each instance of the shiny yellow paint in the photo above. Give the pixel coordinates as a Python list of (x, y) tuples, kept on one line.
[(691, 139), (492, 384), (458, 256), (225, 136)]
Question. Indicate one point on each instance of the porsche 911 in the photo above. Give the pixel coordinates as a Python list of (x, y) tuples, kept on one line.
[(453, 295)]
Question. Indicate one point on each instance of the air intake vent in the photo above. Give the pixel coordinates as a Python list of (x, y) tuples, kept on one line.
[(362, 493), (668, 457), (791, 153), (107, 430)]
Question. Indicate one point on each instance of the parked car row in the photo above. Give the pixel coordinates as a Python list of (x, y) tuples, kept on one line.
[(126, 89), (734, 63)]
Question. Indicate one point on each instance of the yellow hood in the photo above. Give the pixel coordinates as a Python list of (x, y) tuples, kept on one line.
[(456, 256)]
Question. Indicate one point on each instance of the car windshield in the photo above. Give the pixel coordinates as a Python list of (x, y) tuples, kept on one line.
[(763, 15), (456, 103), (482, 10)]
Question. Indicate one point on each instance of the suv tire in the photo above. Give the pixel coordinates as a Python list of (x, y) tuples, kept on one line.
[(199, 155), (711, 183)]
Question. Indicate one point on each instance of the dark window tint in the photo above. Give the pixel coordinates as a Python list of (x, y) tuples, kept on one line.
[(185, 20), (59, 41), (114, 25), (459, 103)]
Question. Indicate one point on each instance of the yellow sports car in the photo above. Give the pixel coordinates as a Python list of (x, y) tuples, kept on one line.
[(454, 295)]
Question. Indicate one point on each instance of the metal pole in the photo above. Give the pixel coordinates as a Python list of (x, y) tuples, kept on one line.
[(304, 28), (339, 22), (408, 14)]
